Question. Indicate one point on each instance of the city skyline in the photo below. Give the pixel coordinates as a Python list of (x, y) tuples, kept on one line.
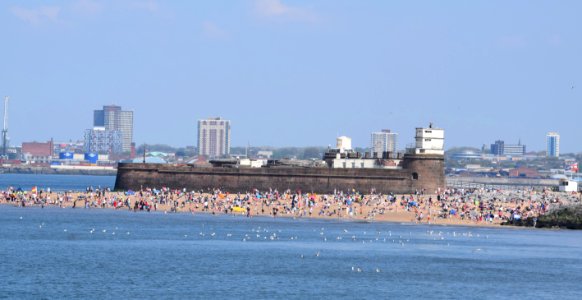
[(362, 145), (326, 67)]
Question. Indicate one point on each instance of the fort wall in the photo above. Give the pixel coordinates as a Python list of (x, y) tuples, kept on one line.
[(419, 172)]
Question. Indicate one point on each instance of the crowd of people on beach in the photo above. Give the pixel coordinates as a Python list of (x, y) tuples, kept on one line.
[(468, 206)]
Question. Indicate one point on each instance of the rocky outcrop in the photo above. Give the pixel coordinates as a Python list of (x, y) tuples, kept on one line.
[(569, 217)]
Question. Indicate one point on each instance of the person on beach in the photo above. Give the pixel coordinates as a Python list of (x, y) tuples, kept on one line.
[(455, 206)]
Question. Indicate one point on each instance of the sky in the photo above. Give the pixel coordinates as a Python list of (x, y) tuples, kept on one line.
[(296, 73)]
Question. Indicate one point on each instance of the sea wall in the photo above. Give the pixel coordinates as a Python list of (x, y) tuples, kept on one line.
[(425, 172)]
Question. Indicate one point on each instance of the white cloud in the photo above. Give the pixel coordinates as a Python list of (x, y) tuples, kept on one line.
[(88, 6), (37, 15), (277, 9), (212, 30)]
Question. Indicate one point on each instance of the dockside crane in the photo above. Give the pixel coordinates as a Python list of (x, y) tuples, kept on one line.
[(5, 128)]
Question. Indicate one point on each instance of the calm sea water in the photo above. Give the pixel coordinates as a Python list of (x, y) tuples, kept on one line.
[(55, 182), (79, 253)]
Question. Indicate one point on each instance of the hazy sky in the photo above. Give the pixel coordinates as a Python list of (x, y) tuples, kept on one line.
[(296, 72)]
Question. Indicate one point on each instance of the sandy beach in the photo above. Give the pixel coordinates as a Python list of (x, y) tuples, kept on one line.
[(452, 207)]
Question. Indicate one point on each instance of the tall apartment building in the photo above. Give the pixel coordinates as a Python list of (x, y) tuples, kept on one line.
[(112, 118), (214, 137), (102, 141), (384, 141), (553, 144), (497, 148)]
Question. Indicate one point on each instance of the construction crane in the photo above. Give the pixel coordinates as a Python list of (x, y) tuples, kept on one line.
[(5, 127)]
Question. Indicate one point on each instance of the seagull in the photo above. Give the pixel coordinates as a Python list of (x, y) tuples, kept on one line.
[(377, 270)]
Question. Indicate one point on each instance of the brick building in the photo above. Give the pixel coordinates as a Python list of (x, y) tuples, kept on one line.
[(37, 152)]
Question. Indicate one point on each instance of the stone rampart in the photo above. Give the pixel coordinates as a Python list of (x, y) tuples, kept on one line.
[(419, 172)]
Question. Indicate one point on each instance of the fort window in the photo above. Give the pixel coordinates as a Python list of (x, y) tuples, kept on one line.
[(414, 176)]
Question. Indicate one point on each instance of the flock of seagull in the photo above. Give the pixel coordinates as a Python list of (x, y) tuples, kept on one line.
[(261, 234)]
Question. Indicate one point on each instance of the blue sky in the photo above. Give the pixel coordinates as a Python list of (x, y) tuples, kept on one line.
[(296, 72)]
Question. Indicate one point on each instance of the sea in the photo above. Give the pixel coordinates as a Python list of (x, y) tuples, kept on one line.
[(66, 253), (58, 183)]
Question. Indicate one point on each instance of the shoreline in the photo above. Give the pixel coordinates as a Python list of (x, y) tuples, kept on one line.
[(286, 217)]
